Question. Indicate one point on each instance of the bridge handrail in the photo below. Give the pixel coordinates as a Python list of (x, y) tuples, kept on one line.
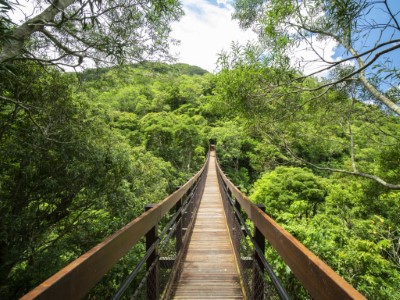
[(317, 277), (76, 279)]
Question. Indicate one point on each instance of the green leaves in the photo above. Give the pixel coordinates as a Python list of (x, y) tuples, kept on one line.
[(319, 36), (175, 137), (287, 189), (79, 162)]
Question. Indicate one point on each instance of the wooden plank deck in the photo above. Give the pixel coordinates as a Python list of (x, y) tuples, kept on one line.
[(209, 269)]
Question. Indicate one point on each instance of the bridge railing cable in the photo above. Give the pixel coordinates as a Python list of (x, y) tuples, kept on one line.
[(249, 248), (165, 227), (250, 228)]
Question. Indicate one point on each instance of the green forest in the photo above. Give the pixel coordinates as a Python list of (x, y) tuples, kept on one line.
[(83, 151)]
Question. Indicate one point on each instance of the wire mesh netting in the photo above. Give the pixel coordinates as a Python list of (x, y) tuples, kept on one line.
[(256, 282)]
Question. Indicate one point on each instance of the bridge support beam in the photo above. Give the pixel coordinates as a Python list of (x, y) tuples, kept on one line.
[(178, 231), (237, 228), (152, 263), (258, 266)]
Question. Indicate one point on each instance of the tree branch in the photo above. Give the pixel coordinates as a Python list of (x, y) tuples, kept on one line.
[(362, 65), (373, 90), (392, 15), (27, 110), (63, 47), (15, 46), (354, 173)]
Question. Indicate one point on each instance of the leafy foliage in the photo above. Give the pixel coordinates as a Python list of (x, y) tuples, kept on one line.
[(76, 167), (81, 155), (333, 220), (294, 36), (289, 192), (323, 160)]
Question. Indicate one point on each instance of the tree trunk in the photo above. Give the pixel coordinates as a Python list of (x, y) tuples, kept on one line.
[(15, 47), (373, 90)]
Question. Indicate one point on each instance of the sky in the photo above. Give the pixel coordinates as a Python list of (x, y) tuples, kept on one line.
[(205, 30)]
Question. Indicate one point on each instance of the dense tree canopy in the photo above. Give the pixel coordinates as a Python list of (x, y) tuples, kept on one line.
[(81, 160), (322, 123), (349, 221), (81, 154)]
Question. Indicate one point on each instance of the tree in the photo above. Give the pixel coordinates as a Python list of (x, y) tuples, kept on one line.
[(329, 130), (67, 31), (177, 138), (339, 222), (68, 177), (364, 33), (289, 192)]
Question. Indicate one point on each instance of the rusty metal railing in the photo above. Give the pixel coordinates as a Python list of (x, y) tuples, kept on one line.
[(250, 227), (166, 228)]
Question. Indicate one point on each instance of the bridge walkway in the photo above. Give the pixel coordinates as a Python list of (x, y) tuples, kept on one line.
[(209, 268)]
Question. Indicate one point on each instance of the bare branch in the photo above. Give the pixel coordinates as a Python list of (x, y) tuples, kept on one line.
[(361, 72), (392, 15), (60, 45)]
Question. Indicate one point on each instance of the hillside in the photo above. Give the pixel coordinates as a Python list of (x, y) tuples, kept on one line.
[(95, 147)]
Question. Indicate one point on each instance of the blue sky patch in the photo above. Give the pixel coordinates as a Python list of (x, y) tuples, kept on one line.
[(219, 3)]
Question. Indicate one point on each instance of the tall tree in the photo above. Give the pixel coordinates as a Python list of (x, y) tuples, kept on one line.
[(364, 32), (313, 128), (67, 178)]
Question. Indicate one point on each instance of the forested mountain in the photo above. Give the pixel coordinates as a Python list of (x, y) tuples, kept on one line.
[(326, 168), (81, 153), (87, 151)]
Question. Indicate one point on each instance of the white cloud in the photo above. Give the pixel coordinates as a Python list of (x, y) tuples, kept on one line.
[(224, 2), (205, 31)]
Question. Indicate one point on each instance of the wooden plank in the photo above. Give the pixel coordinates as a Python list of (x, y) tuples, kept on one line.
[(316, 276), (209, 269)]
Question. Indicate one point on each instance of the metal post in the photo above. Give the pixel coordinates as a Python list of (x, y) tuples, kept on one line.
[(178, 231), (189, 208), (258, 267), (153, 286), (237, 226), (238, 208)]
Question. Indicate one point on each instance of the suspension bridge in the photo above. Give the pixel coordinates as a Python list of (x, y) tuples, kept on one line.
[(204, 241)]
